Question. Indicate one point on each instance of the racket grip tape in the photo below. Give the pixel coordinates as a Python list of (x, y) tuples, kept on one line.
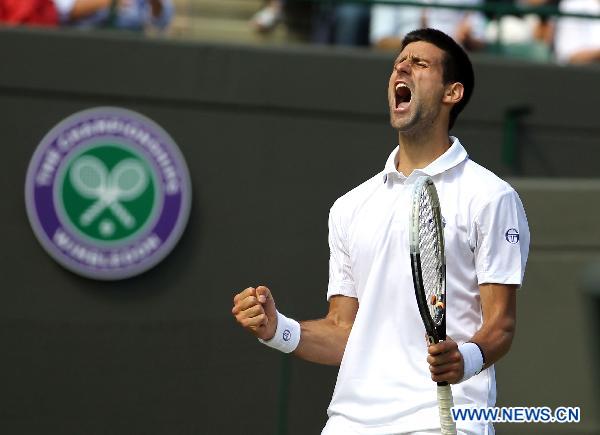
[(445, 403)]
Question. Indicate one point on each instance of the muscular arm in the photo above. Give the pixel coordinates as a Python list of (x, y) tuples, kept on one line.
[(499, 306), (323, 341)]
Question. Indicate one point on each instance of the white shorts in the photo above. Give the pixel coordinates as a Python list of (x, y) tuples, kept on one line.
[(338, 427)]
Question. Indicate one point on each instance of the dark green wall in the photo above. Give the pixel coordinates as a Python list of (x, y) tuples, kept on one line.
[(272, 137)]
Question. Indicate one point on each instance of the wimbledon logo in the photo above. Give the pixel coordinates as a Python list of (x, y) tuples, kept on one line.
[(108, 193)]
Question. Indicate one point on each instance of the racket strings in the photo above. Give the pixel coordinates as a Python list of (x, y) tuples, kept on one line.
[(431, 257)]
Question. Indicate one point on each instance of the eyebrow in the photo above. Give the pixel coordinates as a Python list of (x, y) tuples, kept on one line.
[(413, 58)]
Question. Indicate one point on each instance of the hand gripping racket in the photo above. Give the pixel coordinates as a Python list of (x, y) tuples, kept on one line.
[(428, 264)]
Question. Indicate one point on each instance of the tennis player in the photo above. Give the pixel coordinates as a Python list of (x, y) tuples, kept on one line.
[(373, 329)]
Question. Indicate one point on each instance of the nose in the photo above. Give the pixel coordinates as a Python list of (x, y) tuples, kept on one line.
[(403, 67)]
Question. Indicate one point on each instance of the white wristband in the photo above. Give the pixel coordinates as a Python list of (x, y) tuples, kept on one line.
[(287, 335), (473, 360)]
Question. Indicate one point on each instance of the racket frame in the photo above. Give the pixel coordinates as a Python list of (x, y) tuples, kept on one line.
[(435, 333)]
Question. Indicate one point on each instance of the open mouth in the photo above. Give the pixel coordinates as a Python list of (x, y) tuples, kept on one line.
[(403, 96)]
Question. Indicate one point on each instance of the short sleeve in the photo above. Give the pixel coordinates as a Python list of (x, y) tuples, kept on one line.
[(500, 234), (341, 280)]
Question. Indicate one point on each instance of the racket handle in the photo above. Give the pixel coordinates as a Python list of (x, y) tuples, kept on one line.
[(445, 403)]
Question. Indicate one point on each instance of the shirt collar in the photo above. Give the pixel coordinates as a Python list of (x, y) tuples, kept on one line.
[(453, 156)]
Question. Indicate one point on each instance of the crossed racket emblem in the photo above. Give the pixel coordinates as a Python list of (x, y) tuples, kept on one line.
[(125, 182)]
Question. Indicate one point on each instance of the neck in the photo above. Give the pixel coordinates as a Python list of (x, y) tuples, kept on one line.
[(419, 149)]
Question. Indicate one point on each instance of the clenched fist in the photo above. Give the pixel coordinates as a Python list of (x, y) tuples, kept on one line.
[(254, 309)]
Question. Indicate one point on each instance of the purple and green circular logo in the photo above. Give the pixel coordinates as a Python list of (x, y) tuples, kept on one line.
[(108, 193)]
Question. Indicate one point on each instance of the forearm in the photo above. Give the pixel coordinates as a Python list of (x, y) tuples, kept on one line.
[(499, 306), (495, 338), (323, 341), (452, 363)]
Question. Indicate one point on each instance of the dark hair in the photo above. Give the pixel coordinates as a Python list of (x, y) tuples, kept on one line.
[(457, 66)]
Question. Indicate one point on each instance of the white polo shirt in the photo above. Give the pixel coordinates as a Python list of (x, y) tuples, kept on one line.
[(384, 385)]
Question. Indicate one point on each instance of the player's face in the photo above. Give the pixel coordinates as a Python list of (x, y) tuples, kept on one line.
[(416, 87)]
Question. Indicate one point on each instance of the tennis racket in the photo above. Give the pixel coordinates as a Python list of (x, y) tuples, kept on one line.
[(428, 265)]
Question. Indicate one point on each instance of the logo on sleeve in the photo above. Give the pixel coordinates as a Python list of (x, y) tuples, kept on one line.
[(287, 335), (512, 236)]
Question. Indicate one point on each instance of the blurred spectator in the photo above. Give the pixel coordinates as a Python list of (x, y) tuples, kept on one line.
[(389, 23), (120, 14), (519, 28), (36, 12), (342, 24), (577, 40), (268, 17), (544, 29), (512, 29), (296, 14)]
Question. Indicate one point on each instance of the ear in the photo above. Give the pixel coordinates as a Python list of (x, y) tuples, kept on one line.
[(453, 93)]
